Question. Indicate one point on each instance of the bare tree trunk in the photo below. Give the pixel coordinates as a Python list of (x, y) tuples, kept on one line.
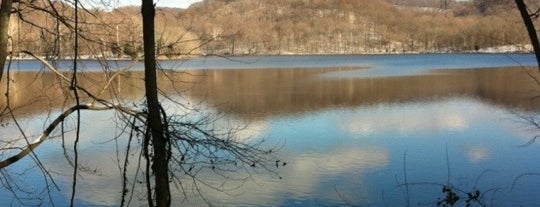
[(5, 12), (530, 29), (155, 125)]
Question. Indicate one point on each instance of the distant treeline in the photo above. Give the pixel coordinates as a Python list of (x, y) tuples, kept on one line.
[(240, 27)]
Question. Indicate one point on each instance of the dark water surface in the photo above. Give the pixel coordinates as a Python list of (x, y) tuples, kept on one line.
[(386, 130)]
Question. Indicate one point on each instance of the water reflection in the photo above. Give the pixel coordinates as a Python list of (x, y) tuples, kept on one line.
[(309, 180), (100, 154), (253, 93), (263, 92), (341, 135), (477, 153), (454, 115)]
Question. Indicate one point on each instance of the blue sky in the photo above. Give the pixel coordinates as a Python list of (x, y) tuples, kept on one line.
[(162, 3)]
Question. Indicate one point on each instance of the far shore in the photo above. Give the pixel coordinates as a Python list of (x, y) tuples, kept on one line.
[(163, 58)]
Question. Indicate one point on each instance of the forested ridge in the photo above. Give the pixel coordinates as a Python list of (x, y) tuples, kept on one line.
[(253, 27)]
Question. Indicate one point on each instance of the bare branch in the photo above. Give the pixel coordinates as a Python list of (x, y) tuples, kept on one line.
[(29, 148)]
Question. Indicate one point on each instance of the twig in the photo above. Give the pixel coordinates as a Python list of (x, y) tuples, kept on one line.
[(405, 178)]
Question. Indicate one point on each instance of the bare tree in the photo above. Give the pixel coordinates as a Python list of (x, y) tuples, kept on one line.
[(5, 14), (173, 146), (531, 30), (160, 142)]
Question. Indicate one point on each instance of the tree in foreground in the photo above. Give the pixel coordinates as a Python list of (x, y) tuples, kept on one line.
[(174, 146), (528, 18)]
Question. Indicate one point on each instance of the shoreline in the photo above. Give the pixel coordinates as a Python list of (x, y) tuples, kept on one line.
[(192, 57)]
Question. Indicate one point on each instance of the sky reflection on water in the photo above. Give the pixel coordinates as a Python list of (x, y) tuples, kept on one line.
[(343, 139)]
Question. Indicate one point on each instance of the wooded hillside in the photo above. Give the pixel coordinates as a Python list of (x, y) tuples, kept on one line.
[(240, 27)]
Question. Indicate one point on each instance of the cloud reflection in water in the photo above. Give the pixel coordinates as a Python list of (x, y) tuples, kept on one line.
[(452, 115)]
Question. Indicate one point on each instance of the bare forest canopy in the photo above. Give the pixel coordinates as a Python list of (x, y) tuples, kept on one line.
[(243, 27)]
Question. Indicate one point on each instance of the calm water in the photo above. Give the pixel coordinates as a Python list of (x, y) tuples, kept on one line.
[(354, 130)]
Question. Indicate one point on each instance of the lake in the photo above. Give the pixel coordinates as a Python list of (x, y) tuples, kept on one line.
[(358, 130)]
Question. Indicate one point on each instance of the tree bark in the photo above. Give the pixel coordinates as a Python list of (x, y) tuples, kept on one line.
[(155, 124), (530, 29), (5, 13)]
